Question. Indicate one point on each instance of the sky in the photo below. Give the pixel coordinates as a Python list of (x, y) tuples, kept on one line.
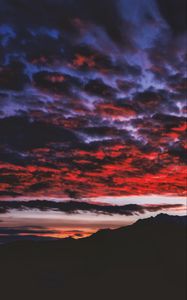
[(92, 113)]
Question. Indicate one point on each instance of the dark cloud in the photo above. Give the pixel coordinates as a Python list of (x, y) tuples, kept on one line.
[(178, 84), (13, 157), (10, 179), (12, 77), (9, 193), (25, 230), (76, 207), (101, 131), (99, 88), (55, 82), (169, 121), (126, 85), (22, 133), (87, 57), (148, 100), (177, 150), (38, 186), (43, 50)]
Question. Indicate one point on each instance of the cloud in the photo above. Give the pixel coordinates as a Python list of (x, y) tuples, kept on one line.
[(99, 88), (55, 82), (148, 100), (92, 98), (12, 77), (25, 230), (66, 15), (77, 207), (22, 133)]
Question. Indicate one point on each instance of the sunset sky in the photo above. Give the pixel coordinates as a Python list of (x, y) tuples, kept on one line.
[(92, 114)]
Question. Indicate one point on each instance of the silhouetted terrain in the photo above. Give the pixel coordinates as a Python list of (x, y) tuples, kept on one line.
[(144, 261)]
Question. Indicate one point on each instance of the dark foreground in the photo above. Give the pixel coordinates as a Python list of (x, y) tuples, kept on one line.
[(142, 261)]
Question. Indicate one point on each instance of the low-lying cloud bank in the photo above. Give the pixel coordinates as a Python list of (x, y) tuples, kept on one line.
[(71, 207)]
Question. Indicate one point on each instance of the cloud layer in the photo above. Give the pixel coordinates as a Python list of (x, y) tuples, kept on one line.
[(71, 207), (92, 98)]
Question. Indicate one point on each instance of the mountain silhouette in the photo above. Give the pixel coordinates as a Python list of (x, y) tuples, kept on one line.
[(146, 260)]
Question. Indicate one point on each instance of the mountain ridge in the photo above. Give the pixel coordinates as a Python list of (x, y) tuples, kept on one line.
[(146, 260)]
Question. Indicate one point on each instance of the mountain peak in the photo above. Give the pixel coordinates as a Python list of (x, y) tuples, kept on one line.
[(163, 218)]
